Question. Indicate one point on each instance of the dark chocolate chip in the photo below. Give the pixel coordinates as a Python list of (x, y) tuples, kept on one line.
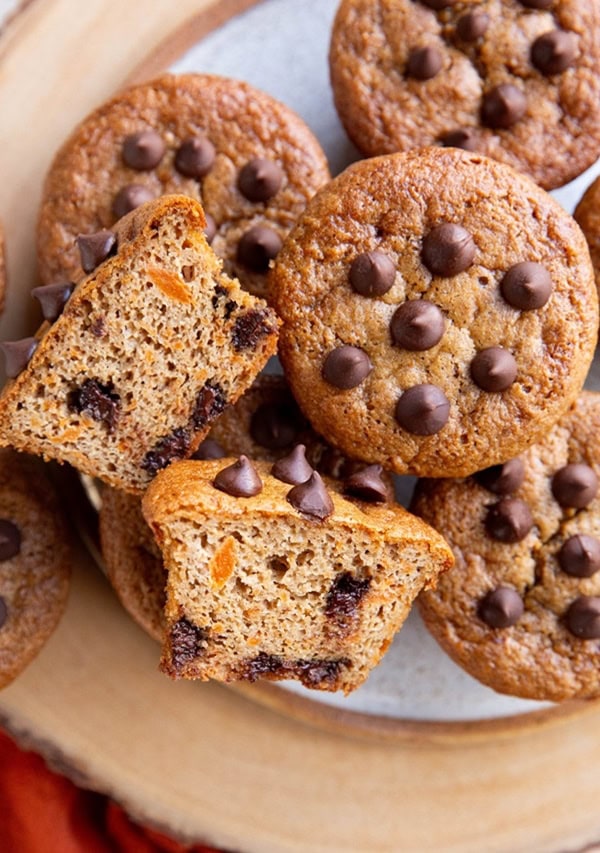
[(508, 521), (537, 4), (494, 369), (315, 672), (53, 298), (239, 480), (372, 274), (257, 247), (345, 595), (96, 400), (526, 286), (167, 449), (311, 498), (10, 539), (460, 138), (95, 248), (195, 157), (417, 325), (368, 485), (473, 25), (553, 52), (276, 425), (438, 4), (143, 151), (250, 328), (17, 355), (575, 485), (209, 449), (293, 468), (448, 249), (583, 617), (502, 479), (3, 612), (346, 367), (130, 197), (424, 62), (501, 607), (503, 106), (311, 673), (98, 327), (580, 556), (210, 229), (262, 665), (423, 410), (210, 402), (187, 643), (260, 179)]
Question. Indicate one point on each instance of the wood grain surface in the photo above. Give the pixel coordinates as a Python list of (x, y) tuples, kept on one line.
[(202, 761)]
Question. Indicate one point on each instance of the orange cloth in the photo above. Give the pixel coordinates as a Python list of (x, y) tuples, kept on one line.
[(41, 811)]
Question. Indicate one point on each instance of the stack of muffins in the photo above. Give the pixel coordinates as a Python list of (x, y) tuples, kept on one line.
[(435, 313)]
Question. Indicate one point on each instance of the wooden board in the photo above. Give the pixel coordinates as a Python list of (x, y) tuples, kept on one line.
[(202, 761)]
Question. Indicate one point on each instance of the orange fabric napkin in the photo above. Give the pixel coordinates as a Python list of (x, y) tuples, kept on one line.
[(41, 810)]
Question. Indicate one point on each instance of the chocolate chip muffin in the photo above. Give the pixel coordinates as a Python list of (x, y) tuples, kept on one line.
[(517, 81), (34, 563), (250, 160), (439, 312), (520, 611), (587, 214), (264, 424), (148, 350), (272, 575)]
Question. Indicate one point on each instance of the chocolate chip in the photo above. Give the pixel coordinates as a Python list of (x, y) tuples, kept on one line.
[(537, 4), (187, 643), (17, 355), (583, 617), (424, 62), (503, 106), (257, 247), (368, 485), (417, 325), (143, 151), (580, 556), (95, 248), (260, 179), (53, 298), (210, 402), (460, 138), (345, 595), (346, 367), (293, 468), (98, 327), (372, 274), (3, 612), (438, 4), (249, 328), (508, 521), (501, 607), (130, 197), (209, 449), (96, 400), (575, 485), (448, 249), (502, 479), (195, 157), (262, 665), (276, 425), (423, 410), (526, 286), (553, 52), (311, 498), (473, 25), (315, 672), (210, 229), (239, 480), (10, 539), (494, 369), (166, 450)]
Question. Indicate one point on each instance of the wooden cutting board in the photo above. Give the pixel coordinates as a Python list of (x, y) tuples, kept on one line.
[(202, 761)]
